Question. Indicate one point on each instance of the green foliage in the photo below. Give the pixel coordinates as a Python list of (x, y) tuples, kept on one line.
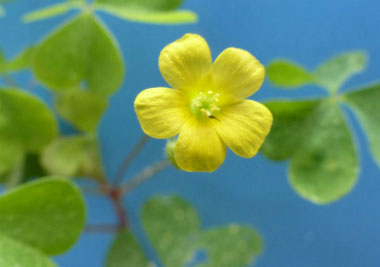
[(40, 218), (2, 11), (73, 156), (286, 74), (173, 227), (314, 134), (96, 62), (365, 103), (20, 62), (125, 251), (25, 120), (52, 11), (330, 75), (83, 109)]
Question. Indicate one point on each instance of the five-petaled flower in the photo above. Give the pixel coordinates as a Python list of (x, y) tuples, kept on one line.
[(208, 106)]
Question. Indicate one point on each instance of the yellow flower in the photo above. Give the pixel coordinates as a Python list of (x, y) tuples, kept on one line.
[(207, 108)]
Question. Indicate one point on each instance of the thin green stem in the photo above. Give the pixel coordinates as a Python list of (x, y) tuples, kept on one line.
[(129, 159), (145, 175)]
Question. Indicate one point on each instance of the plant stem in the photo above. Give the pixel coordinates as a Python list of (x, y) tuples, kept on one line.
[(114, 193), (101, 228), (129, 158), (146, 174)]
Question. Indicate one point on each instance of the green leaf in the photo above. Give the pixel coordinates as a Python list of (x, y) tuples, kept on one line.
[(171, 225), (64, 60), (26, 120), (47, 214), (335, 72), (162, 5), (10, 154), (125, 251), (223, 244), (325, 168), (15, 254), (73, 156), (365, 103), (52, 11), (287, 74), (83, 109), (289, 127), (161, 17), (22, 61)]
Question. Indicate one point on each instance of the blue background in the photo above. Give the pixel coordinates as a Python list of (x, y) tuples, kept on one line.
[(249, 191)]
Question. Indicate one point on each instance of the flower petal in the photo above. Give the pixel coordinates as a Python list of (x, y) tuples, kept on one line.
[(244, 126), (238, 73), (186, 61), (161, 112), (199, 148)]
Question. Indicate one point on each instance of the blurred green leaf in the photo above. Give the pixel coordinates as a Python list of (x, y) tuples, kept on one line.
[(64, 60), (26, 120), (144, 4), (162, 17), (73, 156), (232, 245), (83, 109), (326, 167), (173, 227), (289, 127), (287, 74), (14, 253), (10, 154), (47, 214), (336, 71), (365, 103), (2, 11), (125, 251), (22, 61), (52, 11)]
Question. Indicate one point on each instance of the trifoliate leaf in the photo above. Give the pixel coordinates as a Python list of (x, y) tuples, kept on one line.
[(14, 253), (287, 74), (289, 127), (73, 156), (223, 244), (82, 51), (125, 251), (52, 11), (83, 109), (47, 214), (336, 71), (325, 167), (365, 103), (172, 225), (26, 120)]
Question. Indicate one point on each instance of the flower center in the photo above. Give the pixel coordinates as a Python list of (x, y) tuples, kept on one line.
[(206, 105)]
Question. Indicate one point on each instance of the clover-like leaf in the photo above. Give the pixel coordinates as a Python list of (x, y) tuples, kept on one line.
[(47, 214), (149, 11), (83, 109), (222, 244), (25, 120), (287, 74), (172, 225), (326, 167), (288, 127), (14, 253), (81, 52), (125, 251), (365, 103), (315, 137), (53, 11), (73, 156), (22, 61), (333, 73)]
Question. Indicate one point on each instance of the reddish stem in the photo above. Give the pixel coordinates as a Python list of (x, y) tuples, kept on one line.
[(114, 193)]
